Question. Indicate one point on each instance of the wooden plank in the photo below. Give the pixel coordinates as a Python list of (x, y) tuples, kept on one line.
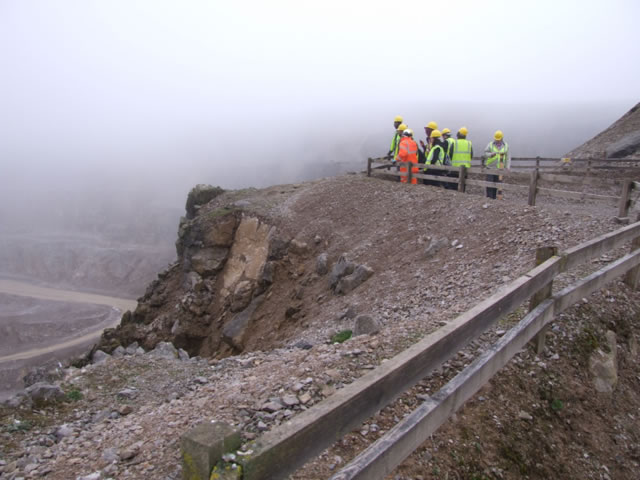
[(595, 247), (576, 195), (633, 275), (380, 459), (283, 449), (462, 178), (625, 199), (574, 179), (542, 255), (436, 178), (369, 167), (585, 287), (533, 188), (503, 186)]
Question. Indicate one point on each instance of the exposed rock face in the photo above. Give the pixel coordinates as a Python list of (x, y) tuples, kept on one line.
[(627, 145), (248, 254), (226, 260)]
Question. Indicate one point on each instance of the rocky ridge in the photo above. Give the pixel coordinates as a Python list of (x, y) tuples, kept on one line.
[(433, 254)]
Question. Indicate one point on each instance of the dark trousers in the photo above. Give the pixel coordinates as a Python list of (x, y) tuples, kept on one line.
[(491, 192)]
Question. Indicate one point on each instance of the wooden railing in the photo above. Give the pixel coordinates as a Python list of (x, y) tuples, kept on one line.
[(460, 177), (285, 448)]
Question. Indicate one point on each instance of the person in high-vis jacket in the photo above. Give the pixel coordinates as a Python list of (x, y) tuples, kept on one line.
[(401, 128), (408, 152), (497, 156), (462, 150), (446, 135), (395, 141), (437, 156), (431, 126)]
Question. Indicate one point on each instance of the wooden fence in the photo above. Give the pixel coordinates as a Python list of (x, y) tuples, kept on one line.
[(282, 450), (460, 177)]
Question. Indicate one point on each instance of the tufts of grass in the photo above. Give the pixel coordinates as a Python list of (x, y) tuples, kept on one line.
[(74, 395), (341, 336)]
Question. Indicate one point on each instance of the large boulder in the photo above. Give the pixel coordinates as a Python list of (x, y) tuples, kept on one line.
[(233, 333), (164, 350), (41, 393), (357, 278), (208, 261), (366, 325), (200, 195), (341, 268)]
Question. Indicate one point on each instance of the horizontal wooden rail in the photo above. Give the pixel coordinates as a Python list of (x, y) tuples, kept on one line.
[(499, 185), (283, 449), (580, 180), (576, 195), (594, 248)]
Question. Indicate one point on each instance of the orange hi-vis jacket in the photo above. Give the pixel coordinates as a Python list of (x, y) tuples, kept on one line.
[(408, 152)]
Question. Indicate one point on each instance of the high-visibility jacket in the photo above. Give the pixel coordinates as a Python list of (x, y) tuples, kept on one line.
[(395, 142), (461, 153), (408, 152), (450, 142), (432, 153), (498, 155)]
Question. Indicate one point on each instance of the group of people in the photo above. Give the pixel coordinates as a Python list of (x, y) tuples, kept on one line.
[(441, 149)]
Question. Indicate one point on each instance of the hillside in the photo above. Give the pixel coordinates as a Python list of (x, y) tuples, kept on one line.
[(250, 300), (620, 140)]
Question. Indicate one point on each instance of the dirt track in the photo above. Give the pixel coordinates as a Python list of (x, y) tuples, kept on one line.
[(70, 342)]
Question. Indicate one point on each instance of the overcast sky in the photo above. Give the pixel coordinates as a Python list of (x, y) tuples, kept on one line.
[(182, 86)]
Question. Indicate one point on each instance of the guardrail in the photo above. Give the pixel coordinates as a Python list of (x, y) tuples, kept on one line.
[(282, 450), (460, 177)]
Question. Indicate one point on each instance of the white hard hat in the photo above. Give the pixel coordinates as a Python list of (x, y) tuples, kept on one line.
[(408, 132)]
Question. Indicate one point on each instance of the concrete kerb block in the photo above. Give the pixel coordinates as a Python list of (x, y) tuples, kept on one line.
[(202, 448)]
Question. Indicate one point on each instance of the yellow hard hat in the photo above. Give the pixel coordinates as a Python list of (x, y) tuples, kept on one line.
[(463, 131), (436, 134), (446, 130), (432, 125), (397, 118), (498, 135), (402, 127)]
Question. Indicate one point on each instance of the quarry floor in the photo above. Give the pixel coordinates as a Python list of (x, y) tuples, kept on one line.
[(538, 418)]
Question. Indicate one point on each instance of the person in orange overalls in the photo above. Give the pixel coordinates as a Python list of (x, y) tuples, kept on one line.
[(408, 152)]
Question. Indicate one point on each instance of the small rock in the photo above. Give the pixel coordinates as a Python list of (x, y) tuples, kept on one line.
[(44, 393), (522, 415), (125, 410), (303, 345), (110, 455), (201, 380), (183, 355), (164, 350), (63, 431), (99, 356), (290, 400), (91, 476), (322, 264), (131, 349), (127, 393), (118, 352), (272, 407), (366, 325), (305, 398), (298, 247)]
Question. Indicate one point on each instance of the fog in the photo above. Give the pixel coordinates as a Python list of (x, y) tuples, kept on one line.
[(118, 108)]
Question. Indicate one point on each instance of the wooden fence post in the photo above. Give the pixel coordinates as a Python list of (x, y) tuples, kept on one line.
[(462, 178), (369, 167), (632, 276), (542, 255), (409, 172), (533, 187), (625, 199)]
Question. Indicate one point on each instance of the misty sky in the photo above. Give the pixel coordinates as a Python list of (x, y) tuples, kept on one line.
[(187, 89)]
